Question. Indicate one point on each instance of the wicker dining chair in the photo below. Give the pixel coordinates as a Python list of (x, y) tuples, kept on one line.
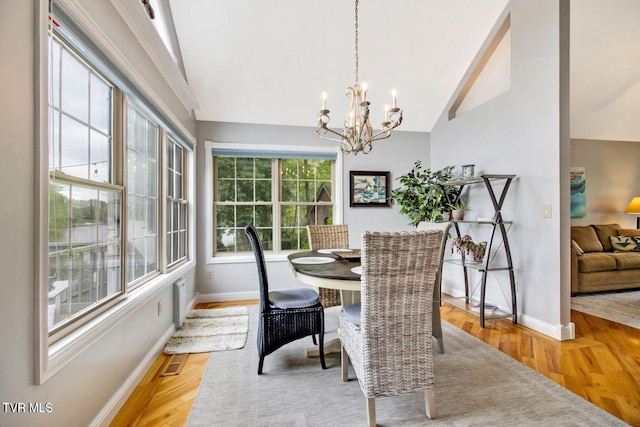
[(286, 314), (328, 237), (387, 336), (437, 290)]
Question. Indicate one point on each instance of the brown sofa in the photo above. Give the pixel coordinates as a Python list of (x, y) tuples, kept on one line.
[(600, 263)]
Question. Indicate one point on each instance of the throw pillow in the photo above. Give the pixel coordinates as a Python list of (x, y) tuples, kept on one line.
[(577, 247), (628, 232), (604, 231), (624, 244)]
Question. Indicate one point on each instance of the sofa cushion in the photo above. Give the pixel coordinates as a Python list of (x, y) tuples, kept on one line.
[(627, 260), (586, 238), (604, 232), (596, 261), (628, 232), (624, 244)]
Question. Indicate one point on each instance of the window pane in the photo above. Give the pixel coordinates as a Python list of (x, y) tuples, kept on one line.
[(226, 167), (264, 216), (288, 216), (263, 168), (84, 248), (226, 190), (100, 104), (245, 215), (75, 87), (225, 240), (245, 191), (306, 191), (74, 148), (225, 216), (99, 157), (245, 168), (289, 191), (263, 191)]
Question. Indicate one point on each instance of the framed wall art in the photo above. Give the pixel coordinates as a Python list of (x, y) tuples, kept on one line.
[(369, 189)]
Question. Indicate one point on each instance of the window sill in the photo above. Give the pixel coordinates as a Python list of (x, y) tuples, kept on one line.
[(248, 258), (66, 349)]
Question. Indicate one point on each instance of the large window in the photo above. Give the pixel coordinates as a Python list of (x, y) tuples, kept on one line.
[(278, 196), (104, 148)]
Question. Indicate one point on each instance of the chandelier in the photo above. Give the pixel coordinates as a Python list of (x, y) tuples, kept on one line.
[(357, 134)]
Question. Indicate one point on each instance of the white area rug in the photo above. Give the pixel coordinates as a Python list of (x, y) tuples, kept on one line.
[(209, 330), (621, 307), (475, 385)]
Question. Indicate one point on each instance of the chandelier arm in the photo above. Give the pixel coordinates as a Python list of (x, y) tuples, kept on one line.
[(326, 129)]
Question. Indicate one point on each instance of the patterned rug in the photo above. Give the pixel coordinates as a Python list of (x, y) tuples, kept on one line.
[(209, 330), (622, 307), (475, 385)]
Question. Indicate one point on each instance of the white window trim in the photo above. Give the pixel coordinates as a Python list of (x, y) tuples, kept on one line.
[(142, 27), (50, 358), (281, 256)]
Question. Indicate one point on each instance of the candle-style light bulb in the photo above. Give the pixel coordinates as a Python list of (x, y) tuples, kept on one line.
[(386, 112), (394, 94), (324, 100), (365, 88)]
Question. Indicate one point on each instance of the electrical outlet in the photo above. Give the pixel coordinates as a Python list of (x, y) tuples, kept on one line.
[(159, 307), (210, 274), (546, 211)]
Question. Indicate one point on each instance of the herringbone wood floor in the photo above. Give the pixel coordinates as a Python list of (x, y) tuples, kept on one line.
[(601, 365)]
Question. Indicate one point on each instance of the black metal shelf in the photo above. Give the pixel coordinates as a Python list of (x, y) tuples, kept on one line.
[(497, 224)]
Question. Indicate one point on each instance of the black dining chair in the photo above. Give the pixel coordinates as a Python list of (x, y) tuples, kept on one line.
[(286, 315)]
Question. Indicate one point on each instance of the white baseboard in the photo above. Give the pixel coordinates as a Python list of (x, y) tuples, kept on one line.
[(110, 410), (559, 332)]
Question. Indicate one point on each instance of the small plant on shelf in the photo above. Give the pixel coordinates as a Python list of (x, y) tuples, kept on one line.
[(457, 211), (466, 246)]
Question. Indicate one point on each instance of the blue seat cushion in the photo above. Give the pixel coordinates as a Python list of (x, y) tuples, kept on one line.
[(352, 313), (293, 298)]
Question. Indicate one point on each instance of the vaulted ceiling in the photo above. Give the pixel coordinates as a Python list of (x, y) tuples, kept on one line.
[(268, 62)]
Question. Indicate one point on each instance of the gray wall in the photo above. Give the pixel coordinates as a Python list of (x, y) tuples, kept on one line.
[(96, 376), (239, 280), (523, 131), (613, 179)]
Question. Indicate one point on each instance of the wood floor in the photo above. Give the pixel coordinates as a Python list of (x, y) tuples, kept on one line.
[(601, 365)]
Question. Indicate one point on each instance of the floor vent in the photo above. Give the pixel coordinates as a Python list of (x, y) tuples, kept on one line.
[(175, 365)]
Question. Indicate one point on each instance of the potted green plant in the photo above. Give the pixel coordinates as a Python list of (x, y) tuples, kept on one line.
[(466, 246), (457, 211), (422, 197)]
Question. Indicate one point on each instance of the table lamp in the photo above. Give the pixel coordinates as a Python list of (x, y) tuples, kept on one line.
[(634, 208)]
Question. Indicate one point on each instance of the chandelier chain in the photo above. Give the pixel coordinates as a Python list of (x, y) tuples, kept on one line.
[(357, 135), (357, 1)]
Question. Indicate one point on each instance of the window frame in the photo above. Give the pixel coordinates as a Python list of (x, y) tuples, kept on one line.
[(242, 257), (52, 355), (171, 263)]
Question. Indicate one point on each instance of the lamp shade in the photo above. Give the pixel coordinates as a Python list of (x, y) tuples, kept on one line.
[(634, 206)]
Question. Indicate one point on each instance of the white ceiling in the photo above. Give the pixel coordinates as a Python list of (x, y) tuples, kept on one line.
[(268, 62)]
